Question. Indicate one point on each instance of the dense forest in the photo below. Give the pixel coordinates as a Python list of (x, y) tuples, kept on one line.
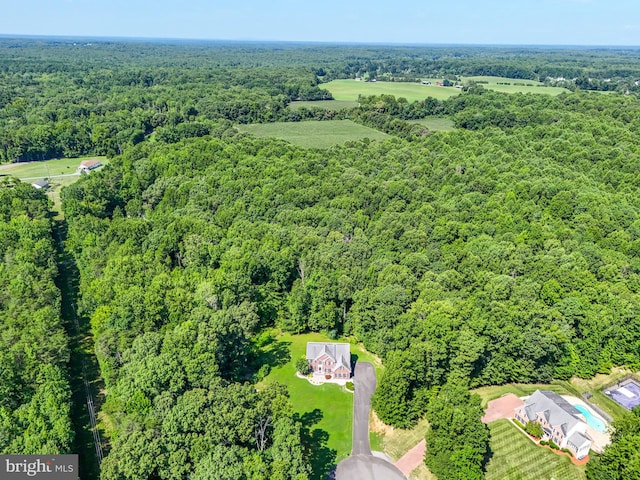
[(34, 389), (507, 250)]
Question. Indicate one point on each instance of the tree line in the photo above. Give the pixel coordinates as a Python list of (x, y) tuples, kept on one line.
[(35, 398)]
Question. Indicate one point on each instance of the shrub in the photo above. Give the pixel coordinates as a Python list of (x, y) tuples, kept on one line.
[(554, 445), (518, 423), (544, 442), (534, 429), (350, 386), (566, 450), (263, 372), (302, 366)]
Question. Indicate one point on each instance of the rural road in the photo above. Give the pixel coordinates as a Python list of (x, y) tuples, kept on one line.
[(362, 465)]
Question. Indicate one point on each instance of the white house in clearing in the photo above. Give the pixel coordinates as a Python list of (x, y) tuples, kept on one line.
[(560, 421)]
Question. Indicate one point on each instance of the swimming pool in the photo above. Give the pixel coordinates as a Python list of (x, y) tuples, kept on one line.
[(592, 421)]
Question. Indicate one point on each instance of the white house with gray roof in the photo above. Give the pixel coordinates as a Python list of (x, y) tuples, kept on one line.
[(332, 359), (560, 420)]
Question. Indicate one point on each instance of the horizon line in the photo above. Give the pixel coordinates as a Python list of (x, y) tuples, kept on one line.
[(144, 39)]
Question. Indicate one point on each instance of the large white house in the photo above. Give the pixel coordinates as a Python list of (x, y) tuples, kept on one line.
[(560, 420)]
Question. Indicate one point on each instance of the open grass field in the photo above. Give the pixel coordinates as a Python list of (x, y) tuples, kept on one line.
[(514, 85), (515, 457), (60, 172), (436, 124), (348, 90), (327, 104), (326, 410), (313, 134)]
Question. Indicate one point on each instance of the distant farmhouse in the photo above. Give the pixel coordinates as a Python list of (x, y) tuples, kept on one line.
[(330, 359), (559, 420), (87, 165), (40, 184)]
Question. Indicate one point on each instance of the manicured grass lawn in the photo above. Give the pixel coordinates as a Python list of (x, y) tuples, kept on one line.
[(327, 410), (515, 457), (328, 104), (51, 169), (436, 124), (350, 89), (515, 85), (519, 389), (314, 134)]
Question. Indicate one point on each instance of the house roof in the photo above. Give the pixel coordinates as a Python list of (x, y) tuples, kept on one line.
[(339, 352), (557, 411), (90, 163), (40, 184), (578, 440)]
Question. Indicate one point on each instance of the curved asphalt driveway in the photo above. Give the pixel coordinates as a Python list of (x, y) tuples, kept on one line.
[(362, 465)]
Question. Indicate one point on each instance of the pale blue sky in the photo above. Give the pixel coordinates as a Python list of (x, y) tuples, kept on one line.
[(542, 22)]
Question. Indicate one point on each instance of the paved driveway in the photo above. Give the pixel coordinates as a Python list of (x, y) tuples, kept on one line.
[(362, 465)]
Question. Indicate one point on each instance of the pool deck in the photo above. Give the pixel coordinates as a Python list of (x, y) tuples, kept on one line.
[(599, 439)]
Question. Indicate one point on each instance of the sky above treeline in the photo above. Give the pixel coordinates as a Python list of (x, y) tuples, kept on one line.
[(510, 22)]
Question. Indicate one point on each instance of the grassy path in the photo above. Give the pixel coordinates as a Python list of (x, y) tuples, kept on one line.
[(83, 368)]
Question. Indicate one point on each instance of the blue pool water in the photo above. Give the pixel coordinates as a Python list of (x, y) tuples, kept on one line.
[(592, 421)]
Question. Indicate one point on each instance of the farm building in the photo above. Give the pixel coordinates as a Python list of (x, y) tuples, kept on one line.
[(87, 165), (40, 184)]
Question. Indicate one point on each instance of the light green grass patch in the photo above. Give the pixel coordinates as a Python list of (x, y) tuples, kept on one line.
[(326, 104), (327, 408), (515, 85), (436, 124), (520, 390), (60, 172), (313, 134), (515, 457), (45, 169), (349, 90)]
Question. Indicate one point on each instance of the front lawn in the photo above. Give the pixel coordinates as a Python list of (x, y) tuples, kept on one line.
[(326, 410)]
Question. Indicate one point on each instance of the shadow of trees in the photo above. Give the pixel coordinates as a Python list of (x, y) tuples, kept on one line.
[(320, 456), (267, 354)]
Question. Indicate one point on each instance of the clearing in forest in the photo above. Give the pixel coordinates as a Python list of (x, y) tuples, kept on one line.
[(349, 90), (326, 104), (514, 456), (436, 124), (314, 134), (60, 172), (325, 410), (514, 85)]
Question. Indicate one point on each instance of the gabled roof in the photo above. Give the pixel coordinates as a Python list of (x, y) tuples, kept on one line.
[(556, 410), (94, 162), (578, 440), (40, 184), (339, 352)]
